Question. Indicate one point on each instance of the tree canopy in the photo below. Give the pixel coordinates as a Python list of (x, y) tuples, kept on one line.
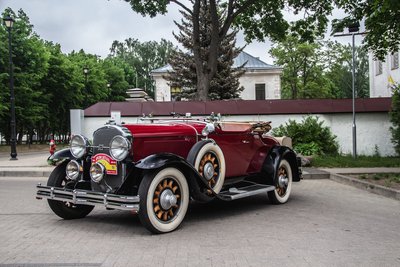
[(225, 84), (320, 69), (257, 18), (381, 19), (48, 83)]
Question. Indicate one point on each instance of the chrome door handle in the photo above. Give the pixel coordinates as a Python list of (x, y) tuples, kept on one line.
[(245, 141)]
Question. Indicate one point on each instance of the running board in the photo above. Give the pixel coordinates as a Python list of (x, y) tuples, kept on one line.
[(246, 191)]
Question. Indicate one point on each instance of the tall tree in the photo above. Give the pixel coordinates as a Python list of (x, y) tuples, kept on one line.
[(30, 61), (381, 19), (143, 58), (257, 18), (303, 68), (338, 69), (225, 83)]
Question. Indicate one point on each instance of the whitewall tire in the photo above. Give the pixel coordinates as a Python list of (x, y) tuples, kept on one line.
[(164, 199), (283, 184)]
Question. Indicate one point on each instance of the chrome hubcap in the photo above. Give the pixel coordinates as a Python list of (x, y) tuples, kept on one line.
[(283, 181), (167, 199), (208, 171)]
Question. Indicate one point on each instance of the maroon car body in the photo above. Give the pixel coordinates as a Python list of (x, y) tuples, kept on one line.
[(154, 168)]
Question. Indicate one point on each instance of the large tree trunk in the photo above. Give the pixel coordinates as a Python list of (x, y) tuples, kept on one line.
[(205, 68)]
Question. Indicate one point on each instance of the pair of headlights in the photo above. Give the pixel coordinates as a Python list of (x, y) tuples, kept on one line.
[(74, 169), (119, 147)]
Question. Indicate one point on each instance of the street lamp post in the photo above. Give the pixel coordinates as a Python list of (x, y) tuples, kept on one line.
[(109, 91), (9, 22), (86, 72), (353, 31)]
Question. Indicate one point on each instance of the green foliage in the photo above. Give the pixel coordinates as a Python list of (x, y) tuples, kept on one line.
[(258, 19), (338, 69), (320, 70), (142, 58), (347, 161), (225, 83), (303, 67), (49, 83), (395, 118), (381, 19), (308, 149), (309, 136)]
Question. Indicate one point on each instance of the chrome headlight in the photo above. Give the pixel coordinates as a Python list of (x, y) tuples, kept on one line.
[(73, 170), (209, 128), (79, 145), (97, 172), (119, 147)]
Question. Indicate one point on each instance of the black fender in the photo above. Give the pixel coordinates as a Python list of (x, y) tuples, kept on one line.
[(271, 163), (60, 156), (194, 151), (163, 160)]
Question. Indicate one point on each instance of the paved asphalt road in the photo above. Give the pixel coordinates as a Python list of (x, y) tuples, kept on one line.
[(324, 224)]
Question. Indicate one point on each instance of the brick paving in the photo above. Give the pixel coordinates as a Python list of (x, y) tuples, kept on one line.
[(324, 224)]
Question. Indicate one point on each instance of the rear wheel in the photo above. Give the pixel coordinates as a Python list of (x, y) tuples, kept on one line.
[(164, 199), (64, 209), (283, 184)]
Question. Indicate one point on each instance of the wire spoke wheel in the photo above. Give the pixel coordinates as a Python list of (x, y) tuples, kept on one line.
[(209, 168), (283, 183), (166, 199), (209, 161)]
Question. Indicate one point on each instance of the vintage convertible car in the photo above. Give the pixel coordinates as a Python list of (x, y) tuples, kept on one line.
[(155, 169)]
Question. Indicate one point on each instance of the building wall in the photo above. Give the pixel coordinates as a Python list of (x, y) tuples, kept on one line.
[(163, 92), (271, 79), (272, 83), (379, 83), (372, 128)]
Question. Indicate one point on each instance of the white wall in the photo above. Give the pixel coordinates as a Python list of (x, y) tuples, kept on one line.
[(249, 79), (163, 92), (272, 83), (379, 84), (372, 129)]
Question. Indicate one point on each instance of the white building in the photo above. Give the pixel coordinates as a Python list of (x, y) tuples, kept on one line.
[(383, 74), (260, 81)]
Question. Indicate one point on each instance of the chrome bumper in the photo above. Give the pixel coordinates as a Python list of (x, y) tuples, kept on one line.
[(85, 197)]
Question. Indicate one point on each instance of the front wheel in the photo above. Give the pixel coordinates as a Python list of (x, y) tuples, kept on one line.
[(164, 199), (64, 209), (283, 184)]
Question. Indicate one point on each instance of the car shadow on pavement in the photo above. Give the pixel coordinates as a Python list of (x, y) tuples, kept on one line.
[(123, 223)]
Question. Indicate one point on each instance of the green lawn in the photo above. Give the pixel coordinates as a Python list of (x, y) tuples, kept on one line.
[(360, 161)]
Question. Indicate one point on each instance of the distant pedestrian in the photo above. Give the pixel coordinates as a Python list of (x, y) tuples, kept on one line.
[(52, 146)]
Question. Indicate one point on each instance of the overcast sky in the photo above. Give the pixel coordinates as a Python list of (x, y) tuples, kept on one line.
[(93, 25)]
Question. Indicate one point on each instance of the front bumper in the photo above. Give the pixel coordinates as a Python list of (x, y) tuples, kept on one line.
[(86, 197)]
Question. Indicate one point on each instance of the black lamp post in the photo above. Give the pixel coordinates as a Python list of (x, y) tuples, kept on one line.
[(86, 72), (109, 91), (9, 22)]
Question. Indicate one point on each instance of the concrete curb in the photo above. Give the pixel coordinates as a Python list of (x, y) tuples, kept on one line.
[(376, 189), (8, 173), (313, 173)]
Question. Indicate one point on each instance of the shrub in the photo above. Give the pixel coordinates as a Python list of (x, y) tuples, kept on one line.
[(395, 118), (309, 137)]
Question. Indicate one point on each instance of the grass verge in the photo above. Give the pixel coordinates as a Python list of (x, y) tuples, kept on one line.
[(348, 161), (391, 180)]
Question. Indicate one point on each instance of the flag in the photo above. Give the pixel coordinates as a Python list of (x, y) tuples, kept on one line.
[(390, 80)]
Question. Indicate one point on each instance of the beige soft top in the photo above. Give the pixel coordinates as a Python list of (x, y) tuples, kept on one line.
[(230, 126)]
